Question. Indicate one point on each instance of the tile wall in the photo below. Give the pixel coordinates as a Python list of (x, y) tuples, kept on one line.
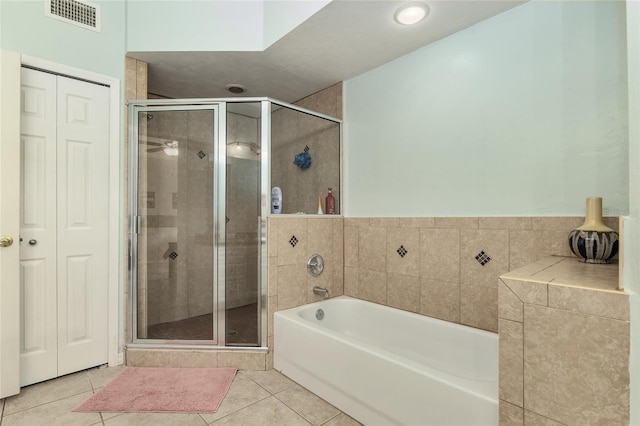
[(176, 238), (450, 266), (293, 131), (135, 87), (243, 195), (564, 345), (290, 242), (327, 101)]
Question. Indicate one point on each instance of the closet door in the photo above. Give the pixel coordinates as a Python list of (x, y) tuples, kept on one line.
[(64, 226), (38, 310), (83, 225)]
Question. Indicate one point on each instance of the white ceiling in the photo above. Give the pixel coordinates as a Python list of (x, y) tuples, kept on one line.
[(344, 39)]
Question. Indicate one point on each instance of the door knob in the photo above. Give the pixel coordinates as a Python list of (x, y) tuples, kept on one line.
[(33, 242), (6, 241)]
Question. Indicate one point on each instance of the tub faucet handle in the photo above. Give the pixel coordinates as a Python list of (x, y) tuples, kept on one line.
[(315, 265)]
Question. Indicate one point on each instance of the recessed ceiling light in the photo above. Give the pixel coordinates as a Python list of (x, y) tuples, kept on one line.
[(411, 13), (235, 88)]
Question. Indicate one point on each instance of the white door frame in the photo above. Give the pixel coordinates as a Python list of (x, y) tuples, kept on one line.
[(115, 317)]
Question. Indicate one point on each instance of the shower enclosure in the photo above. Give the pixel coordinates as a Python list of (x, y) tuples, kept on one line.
[(199, 190)]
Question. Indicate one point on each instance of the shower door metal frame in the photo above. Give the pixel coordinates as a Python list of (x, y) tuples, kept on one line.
[(218, 210)]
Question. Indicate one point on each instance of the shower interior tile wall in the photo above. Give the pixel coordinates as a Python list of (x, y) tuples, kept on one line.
[(292, 131), (195, 198), (177, 250), (180, 287), (243, 189), (327, 101)]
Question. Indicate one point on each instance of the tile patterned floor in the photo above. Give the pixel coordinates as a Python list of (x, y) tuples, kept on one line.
[(257, 398)]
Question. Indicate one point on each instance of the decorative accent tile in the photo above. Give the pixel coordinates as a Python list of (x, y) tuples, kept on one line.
[(402, 251), (483, 258), (288, 228), (201, 155), (173, 255), (151, 200)]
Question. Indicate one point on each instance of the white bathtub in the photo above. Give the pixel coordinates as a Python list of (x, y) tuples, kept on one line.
[(385, 366)]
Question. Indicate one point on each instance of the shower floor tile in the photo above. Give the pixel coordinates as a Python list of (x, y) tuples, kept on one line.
[(241, 327)]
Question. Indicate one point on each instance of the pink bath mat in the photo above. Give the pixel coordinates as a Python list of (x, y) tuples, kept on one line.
[(163, 390)]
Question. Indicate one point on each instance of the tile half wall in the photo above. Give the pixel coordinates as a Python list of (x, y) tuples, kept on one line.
[(443, 267)]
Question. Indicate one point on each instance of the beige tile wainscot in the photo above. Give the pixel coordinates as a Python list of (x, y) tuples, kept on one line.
[(560, 318)]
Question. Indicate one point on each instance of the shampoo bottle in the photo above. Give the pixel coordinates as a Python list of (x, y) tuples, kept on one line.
[(320, 205), (276, 200), (330, 204)]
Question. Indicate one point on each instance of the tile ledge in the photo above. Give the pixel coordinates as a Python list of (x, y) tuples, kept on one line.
[(583, 287), (568, 272)]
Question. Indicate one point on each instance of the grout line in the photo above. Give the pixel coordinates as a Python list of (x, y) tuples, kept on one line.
[(292, 409), (240, 409), (540, 415), (93, 389), (328, 420), (45, 403), (267, 390)]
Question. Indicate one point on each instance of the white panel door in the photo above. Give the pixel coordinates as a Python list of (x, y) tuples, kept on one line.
[(38, 304), (9, 223), (83, 224), (64, 226)]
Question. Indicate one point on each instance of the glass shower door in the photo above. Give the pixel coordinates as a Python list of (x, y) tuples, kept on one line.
[(242, 248), (175, 264), (197, 222)]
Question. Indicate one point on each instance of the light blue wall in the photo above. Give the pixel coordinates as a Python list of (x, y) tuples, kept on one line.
[(196, 25), (522, 114), (233, 25), (24, 28), (282, 16)]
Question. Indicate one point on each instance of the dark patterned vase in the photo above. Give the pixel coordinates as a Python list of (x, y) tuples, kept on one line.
[(594, 242), (593, 246)]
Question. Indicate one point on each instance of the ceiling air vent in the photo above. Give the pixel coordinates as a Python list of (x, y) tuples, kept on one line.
[(80, 13)]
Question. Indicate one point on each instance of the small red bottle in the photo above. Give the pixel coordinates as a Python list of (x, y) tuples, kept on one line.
[(330, 204)]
